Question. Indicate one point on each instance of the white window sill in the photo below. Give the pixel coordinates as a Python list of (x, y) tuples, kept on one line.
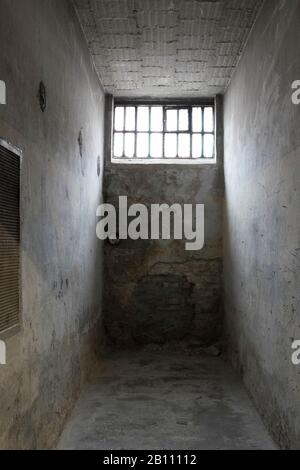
[(165, 161)]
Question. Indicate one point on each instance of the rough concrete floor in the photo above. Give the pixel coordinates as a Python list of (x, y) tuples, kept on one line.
[(161, 401)]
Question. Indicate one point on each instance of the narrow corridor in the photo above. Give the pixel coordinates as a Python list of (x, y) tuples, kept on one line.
[(149, 203)]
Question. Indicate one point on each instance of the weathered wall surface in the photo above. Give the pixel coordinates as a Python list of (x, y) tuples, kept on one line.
[(166, 48), (156, 291), (262, 239), (61, 187)]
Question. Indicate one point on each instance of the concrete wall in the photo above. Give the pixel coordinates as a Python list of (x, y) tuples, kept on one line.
[(262, 239), (156, 291), (61, 186)]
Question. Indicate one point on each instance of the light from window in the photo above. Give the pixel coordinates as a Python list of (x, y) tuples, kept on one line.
[(153, 132)]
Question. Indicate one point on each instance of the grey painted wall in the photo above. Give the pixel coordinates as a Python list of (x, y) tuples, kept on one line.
[(62, 260), (155, 291), (262, 239)]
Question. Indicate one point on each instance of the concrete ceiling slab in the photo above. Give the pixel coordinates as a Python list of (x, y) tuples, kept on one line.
[(169, 48)]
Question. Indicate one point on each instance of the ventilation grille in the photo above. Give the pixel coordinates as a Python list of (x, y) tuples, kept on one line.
[(9, 239)]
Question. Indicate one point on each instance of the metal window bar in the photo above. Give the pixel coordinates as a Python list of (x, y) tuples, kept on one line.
[(164, 131)]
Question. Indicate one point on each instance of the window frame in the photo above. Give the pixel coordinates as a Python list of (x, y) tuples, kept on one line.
[(166, 105)]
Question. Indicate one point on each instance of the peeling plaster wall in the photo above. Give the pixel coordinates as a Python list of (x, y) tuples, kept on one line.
[(48, 361), (156, 291), (262, 238)]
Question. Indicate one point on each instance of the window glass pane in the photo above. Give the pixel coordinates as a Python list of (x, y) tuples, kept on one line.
[(208, 120), (119, 118), (208, 146), (156, 146), (184, 144), (183, 120), (170, 145), (143, 118), (139, 132), (130, 119), (197, 146), (197, 120), (172, 122), (129, 145), (142, 150), (118, 144), (156, 119)]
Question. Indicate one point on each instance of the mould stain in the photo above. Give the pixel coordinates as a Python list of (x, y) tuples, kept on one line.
[(80, 143), (98, 166), (42, 95)]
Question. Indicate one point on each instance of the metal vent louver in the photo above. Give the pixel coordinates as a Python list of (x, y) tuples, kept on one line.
[(9, 238)]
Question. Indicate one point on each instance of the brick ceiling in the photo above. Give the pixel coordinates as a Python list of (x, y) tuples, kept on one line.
[(182, 48)]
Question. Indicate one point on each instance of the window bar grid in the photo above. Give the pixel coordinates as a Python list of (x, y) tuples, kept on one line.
[(202, 132), (191, 132), (124, 131), (149, 135), (165, 132), (177, 136), (135, 129)]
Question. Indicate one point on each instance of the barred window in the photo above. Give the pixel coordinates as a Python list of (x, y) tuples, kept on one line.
[(148, 133)]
